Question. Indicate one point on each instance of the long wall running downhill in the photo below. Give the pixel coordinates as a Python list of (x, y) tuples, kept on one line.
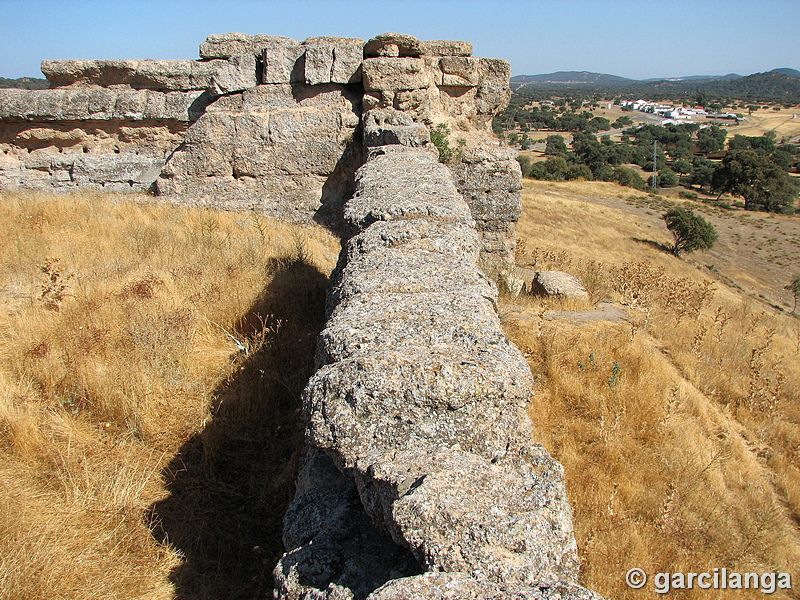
[(421, 477)]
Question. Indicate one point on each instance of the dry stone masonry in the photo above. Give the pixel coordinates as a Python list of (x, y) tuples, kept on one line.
[(421, 477), (265, 122)]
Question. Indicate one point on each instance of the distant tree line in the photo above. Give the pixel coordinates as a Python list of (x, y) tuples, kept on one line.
[(759, 87), (25, 83), (755, 168), (560, 115)]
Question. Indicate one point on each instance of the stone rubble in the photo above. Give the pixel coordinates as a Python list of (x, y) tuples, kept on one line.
[(558, 283)]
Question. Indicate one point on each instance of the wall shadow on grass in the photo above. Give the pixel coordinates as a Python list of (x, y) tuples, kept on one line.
[(231, 483), (657, 245)]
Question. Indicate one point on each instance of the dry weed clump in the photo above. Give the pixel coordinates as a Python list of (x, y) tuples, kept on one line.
[(150, 361), (679, 430)]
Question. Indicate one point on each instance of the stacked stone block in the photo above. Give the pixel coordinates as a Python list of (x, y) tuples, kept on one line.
[(266, 122), (416, 415)]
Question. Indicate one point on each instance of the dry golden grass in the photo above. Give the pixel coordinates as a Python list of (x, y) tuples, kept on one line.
[(679, 430), (785, 123), (151, 358)]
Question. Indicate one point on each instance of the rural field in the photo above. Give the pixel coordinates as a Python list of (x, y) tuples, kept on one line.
[(151, 361), (152, 358), (677, 421)]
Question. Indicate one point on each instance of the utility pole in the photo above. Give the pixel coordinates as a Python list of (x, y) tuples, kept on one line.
[(655, 165)]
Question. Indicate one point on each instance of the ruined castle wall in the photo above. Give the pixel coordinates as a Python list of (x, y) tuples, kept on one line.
[(420, 447), (264, 122), (421, 477)]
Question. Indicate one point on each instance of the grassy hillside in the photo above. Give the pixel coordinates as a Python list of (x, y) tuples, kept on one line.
[(152, 357), (151, 360), (679, 425)]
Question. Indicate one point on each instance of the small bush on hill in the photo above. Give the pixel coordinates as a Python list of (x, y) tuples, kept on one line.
[(692, 232)]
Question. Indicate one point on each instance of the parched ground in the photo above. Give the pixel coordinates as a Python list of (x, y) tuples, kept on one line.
[(757, 253), (675, 405)]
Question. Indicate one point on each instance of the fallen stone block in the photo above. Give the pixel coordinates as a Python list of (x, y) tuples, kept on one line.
[(558, 283)]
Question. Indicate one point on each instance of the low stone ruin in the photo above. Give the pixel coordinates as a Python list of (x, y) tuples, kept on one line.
[(421, 478), (263, 122)]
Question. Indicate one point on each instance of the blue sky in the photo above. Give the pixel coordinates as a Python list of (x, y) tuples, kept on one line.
[(637, 39)]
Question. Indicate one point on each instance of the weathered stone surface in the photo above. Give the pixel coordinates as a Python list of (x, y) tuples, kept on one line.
[(281, 62), (367, 407), (494, 92), (318, 63), (388, 126), (129, 169), (276, 146), (458, 239), (414, 186), (80, 104), (337, 552), (504, 519), (384, 73), (460, 586), (165, 75), (227, 45), (446, 48), (124, 172), (333, 60), (392, 45), (421, 399), (460, 71), (490, 180), (234, 75), (558, 283), (391, 320), (416, 271)]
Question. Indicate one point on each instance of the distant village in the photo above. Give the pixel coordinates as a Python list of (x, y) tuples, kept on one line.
[(674, 115)]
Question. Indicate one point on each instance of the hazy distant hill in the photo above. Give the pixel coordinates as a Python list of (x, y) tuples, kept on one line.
[(782, 85), (572, 77), (787, 71), (26, 83)]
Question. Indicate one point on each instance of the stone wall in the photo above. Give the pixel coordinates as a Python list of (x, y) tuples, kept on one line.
[(422, 479), (264, 122)]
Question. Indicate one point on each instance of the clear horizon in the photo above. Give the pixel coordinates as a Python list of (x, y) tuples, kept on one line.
[(637, 40)]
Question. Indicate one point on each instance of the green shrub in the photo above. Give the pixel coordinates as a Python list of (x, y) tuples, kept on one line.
[(691, 232), (439, 137)]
